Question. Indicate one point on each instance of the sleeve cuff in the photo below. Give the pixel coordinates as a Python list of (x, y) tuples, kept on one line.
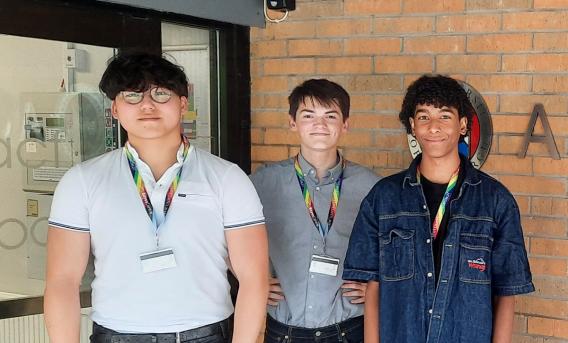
[(513, 290), (68, 227), (243, 225)]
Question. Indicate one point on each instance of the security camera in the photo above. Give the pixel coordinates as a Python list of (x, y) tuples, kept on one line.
[(281, 5)]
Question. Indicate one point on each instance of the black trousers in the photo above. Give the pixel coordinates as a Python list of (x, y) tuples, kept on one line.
[(220, 332)]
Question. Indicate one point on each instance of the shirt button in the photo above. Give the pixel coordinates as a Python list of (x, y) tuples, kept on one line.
[(312, 172), (311, 276), (430, 311), (310, 307), (317, 188), (428, 241), (318, 333), (315, 246), (429, 274), (424, 206)]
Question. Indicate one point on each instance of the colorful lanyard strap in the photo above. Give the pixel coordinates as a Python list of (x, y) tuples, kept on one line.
[(142, 189), (447, 195), (310, 203)]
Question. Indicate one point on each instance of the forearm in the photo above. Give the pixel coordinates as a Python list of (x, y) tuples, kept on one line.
[(250, 311), (62, 312), (372, 312), (503, 316)]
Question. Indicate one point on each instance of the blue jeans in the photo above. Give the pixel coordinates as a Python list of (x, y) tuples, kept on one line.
[(348, 331), (219, 332)]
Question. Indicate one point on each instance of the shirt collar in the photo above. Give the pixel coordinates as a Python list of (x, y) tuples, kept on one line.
[(179, 154), (311, 174)]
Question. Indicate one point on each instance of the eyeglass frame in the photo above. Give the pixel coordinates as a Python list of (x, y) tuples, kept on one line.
[(152, 92)]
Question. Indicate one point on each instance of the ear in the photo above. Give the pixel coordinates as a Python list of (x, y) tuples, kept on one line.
[(411, 121), (345, 127), (183, 105), (292, 123), (463, 125), (114, 110)]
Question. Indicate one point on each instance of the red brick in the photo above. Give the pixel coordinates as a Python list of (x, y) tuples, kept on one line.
[(501, 4), (404, 25), (314, 47), (535, 63), (270, 119), (316, 9), (372, 46), (343, 27), (368, 158), (293, 29), (512, 145), (550, 4), (549, 266), (388, 103), (509, 123), (364, 121), (356, 139), (469, 23), (266, 33), (500, 83), (544, 307), (375, 83), (533, 21), (361, 102), (268, 153), (549, 247), (439, 6), (434, 44), (534, 184), (280, 136), (270, 84), (539, 226), (467, 63), (548, 327), (550, 83), (275, 48), (367, 7), (344, 65), (514, 42), (549, 166), (525, 104), (392, 141), (522, 203), (548, 206), (403, 64), (506, 164), (288, 66), (551, 41), (256, 136), (549, 287)]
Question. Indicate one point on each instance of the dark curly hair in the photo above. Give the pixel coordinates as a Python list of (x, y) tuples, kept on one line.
[(140, 71), (438, 91), (321, 90)]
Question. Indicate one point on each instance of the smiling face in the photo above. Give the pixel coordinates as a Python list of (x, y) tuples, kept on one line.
[(319, 126), (438, 130), (149, 119)]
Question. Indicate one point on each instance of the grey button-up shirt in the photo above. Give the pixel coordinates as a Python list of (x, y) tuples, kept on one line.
[(312, 300)]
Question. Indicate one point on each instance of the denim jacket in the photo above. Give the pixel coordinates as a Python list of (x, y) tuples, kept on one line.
[(483, 256)]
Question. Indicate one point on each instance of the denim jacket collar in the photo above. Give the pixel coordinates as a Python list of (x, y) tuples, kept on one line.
[(471, 175)]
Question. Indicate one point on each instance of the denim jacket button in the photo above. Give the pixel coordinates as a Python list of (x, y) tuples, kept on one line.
[(430, 311), (424, 207), (428, 241), (429, 274)]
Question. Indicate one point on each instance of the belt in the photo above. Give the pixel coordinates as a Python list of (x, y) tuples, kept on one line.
[(102, 334), (339, 329)]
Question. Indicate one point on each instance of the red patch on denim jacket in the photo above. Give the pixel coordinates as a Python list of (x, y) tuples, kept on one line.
[(478, 264)]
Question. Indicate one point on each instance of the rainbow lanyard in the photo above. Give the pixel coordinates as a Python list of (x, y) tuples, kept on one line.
[(310, 203), (447, 195), (142, 189)]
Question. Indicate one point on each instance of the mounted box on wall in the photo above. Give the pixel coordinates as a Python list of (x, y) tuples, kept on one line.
[(282, 5)]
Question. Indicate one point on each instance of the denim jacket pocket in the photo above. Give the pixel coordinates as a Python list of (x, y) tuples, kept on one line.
[(397, 255), (475, 258)]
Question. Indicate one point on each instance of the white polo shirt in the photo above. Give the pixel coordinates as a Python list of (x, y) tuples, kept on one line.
[(99, 197)]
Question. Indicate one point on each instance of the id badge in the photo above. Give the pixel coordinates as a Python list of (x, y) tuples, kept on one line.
[(158, 260), (324, 265)]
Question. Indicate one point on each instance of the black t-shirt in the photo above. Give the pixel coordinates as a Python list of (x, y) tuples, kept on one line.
[(434, 192)]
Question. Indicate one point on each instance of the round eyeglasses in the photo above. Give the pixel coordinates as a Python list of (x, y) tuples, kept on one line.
[(158, 94)]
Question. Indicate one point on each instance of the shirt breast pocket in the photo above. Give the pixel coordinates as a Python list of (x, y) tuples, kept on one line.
[(396, 255), (475, 258)]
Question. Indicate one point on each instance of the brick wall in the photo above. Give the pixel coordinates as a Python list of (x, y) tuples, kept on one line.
[(515, 52)]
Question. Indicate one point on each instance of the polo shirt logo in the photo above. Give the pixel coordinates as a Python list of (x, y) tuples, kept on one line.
[(478, 264)]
